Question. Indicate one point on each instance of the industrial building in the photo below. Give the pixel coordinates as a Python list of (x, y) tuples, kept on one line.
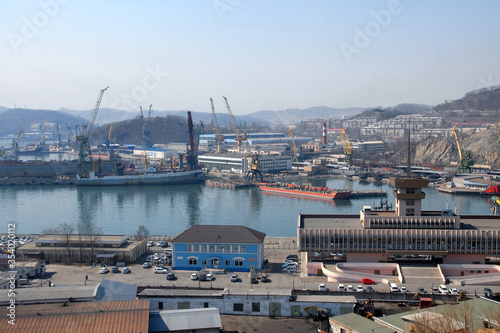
[(232, 247), (380, 236), (84, 248), (238, 162)]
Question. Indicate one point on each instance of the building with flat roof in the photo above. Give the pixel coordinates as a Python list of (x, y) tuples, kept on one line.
[(380, 236), (85, 248), (232, 247), (239, 162)]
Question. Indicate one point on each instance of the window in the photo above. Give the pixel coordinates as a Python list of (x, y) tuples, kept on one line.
[(204, 248), (238, 307), (242, 249), (206, 304), (220, 248), (204, 262), (160, 305), (212, 248), (410, 212), (255, 307), (227, 249), (235, 248), (192, 261), (238, 262), (228, 262), (410, 190), (188, 247), (410, 202)]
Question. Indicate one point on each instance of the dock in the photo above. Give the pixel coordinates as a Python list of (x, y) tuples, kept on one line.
[(457, 190), (228, 184), (364, 194)]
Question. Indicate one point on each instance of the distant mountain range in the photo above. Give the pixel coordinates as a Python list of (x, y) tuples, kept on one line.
[(12, 119)]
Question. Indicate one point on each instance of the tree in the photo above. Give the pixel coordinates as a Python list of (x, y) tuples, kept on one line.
[(142, 233), (66, 231), (94, 233)]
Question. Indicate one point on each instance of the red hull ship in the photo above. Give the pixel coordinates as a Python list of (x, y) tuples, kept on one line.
[(305, 191)]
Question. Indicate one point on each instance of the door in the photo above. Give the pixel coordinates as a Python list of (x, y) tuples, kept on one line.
[(215, 263), (274, 309), (295, 311)]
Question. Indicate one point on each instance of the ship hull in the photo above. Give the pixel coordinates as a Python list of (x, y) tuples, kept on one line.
[(169, 178), (327, 195)]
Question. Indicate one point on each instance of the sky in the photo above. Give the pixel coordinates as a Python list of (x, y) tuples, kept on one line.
[(261, 55)]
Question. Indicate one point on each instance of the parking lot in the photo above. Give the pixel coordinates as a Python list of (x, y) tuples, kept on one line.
[(79, 275)]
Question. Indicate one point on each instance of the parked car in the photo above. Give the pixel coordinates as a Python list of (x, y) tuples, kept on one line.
[(115, 269), (454, 291), (360, 288), (421, 290), (234, 278), (194, 276), (350, 288), (125, 270), (443, 289), (150, 244), (435, 290), (147, 264), (264, 278), (369, 289), (322, 287), (161, 270), (170, 276), (209, 277), (164, 244), (289, 269), (341, 287), (292, 256), (393, 288), (404, 289), (103, 270), (367, 281)]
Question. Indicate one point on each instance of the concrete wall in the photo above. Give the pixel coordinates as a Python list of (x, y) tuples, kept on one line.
[(464, 259)]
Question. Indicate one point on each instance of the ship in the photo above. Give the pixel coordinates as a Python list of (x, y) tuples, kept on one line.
[(305, 191), (150, 177)]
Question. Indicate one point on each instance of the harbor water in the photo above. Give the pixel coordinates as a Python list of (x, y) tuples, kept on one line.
[(168, 210)]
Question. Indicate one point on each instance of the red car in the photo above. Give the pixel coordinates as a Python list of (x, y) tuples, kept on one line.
[(367, 281)]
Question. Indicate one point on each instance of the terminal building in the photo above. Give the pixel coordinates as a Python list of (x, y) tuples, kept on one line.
[(408, 232), (238, 162)]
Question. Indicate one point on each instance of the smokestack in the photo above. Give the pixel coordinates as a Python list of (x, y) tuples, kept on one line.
[(324, 133)]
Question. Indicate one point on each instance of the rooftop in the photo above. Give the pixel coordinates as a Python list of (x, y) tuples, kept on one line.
[(181, 320), (112, 316), (220, 234), (360, 324)]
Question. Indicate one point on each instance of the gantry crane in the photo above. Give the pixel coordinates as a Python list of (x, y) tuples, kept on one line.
[(83, 135), (218, 137), (236, 129), (347, 146), (465, 159)]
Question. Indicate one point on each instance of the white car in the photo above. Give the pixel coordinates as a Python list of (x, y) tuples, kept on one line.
[(125, 270), (289, 269), (341, 287), (443, 289), (454, 291), (350, 288), (322, 287), (194, 276), (161, 270), (209, 277), (234, 278), (360, 288), (103, 270), (159, 243), (150, 243), (404, 290)]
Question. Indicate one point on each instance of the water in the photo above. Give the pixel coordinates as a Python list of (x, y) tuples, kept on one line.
[(168, 210)]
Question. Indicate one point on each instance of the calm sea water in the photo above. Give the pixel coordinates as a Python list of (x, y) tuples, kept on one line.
[(168, 210)]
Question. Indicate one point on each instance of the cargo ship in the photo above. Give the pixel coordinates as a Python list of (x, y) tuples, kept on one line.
[(305, 191), (150, 177)]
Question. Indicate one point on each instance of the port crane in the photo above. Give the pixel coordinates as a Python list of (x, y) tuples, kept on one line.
[(146, 139), (254, 168), (236, 129), (15, 142), (465, 159), (108, 138), (83, 135), (59, 142), (347, 146), (218, 136)]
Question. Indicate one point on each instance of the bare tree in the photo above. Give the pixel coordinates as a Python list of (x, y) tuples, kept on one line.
[(94, 234), (66, 231), (81, 238), (142, 233)]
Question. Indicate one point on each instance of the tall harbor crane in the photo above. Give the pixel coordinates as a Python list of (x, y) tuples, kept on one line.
[(15, 142), (347, 146), (236, 129), (218, 137), (108, 138), (83, 135), (254, 168), (59, 142), (146, 139), (192, 158), (465, 159)]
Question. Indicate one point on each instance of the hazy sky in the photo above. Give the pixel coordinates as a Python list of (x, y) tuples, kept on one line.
[(261, 55)]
